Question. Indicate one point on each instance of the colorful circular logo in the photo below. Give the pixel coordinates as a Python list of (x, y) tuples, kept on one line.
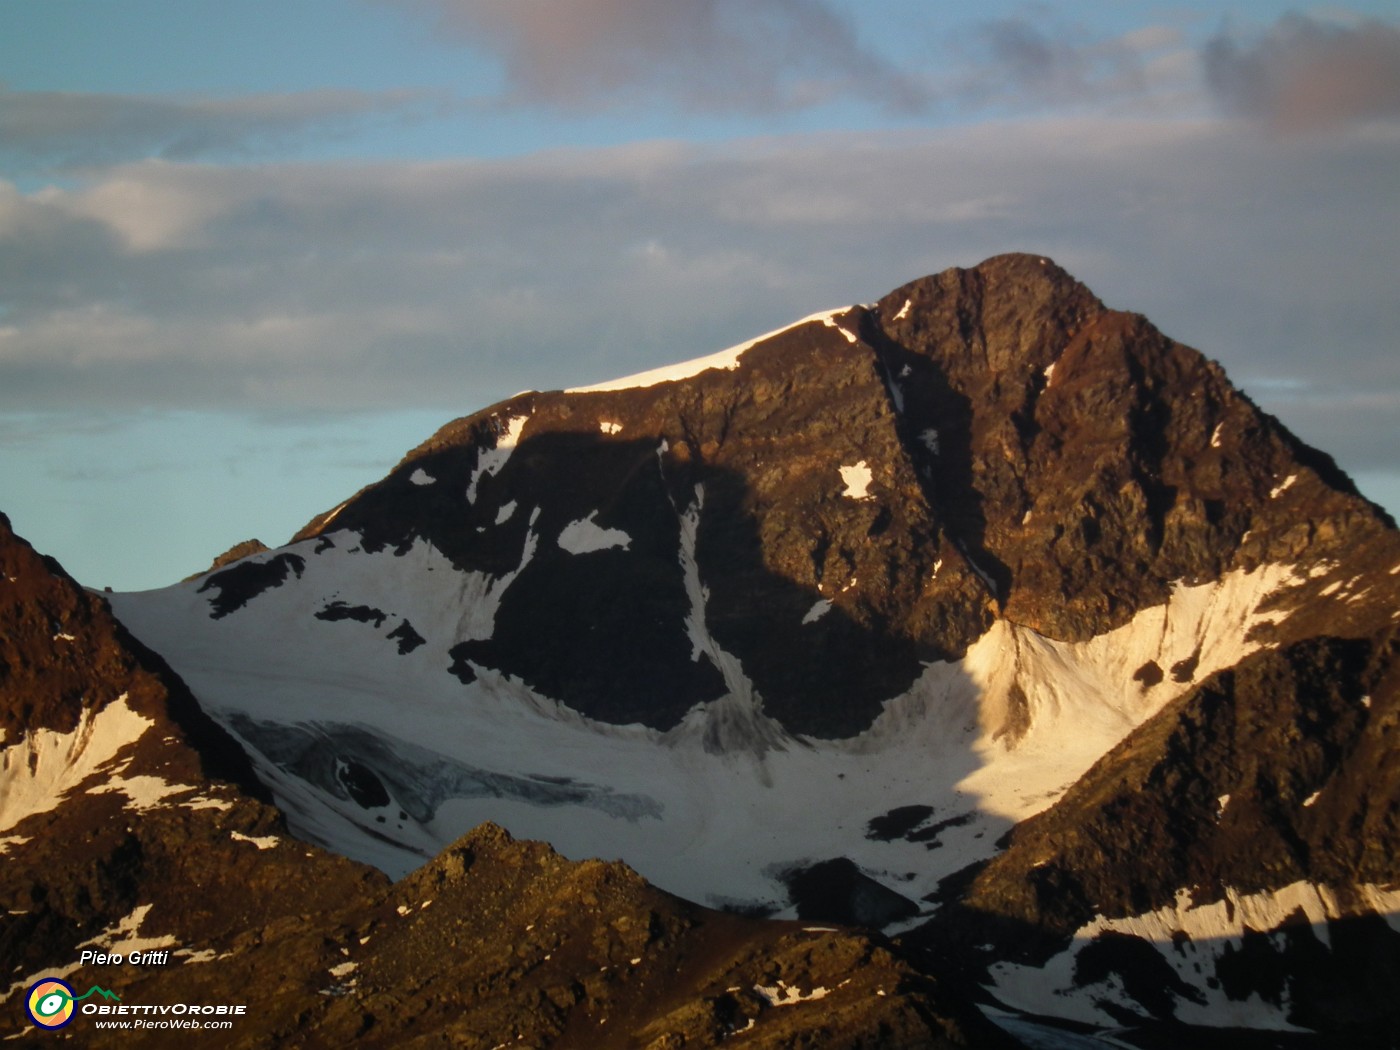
[(50, 1003)]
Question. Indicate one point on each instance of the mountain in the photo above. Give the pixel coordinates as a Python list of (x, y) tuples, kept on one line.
[(983, 611), (130, 823)]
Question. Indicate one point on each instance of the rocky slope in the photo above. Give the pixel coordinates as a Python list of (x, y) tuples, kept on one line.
[(128, 827), (808, 626)]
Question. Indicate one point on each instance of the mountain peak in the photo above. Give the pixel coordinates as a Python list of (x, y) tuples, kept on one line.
[(878, 586)]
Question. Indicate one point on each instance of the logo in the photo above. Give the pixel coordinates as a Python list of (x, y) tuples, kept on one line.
[(50, 1001)]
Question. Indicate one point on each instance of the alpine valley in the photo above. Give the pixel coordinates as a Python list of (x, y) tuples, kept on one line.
[(977, 667)]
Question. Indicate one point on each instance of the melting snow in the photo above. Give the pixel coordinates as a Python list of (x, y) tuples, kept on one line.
[(904, 310), (1215, 434), (421, 477), (930, 439), (610, 428), (817, 611), (1050, 373), (585, 536), (1279, 489), (857, 481)]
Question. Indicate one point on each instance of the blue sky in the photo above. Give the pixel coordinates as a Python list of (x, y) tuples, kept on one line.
[(252, 253)]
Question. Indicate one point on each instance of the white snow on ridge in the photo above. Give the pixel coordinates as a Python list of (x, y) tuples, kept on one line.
[(831, 322), (585, 536), (726, 360)]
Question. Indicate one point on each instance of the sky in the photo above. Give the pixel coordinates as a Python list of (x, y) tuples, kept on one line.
[(253, 253)]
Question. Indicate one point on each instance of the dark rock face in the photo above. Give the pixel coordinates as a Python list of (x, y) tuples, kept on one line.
[(1089, 460), (1029, 453), (1275, 779), (1300, 741), (239, 584)]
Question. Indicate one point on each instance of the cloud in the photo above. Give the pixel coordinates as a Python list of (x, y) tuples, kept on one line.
[(451, 284), (744, 56), (1308, 74), (45, 130), (1020, 60)]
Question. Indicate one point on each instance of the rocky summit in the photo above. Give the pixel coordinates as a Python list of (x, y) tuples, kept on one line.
[(984, 616)]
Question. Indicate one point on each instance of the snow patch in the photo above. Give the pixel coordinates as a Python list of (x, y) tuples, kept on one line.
[(1216, 433), (610, 428), (1049, 373), (585, 536), (38, 772), (203, 955), (1214, 930), (819, 609), (143, 792), (491, 460), (422, 477), (200, 802), (782, 994), (1283, 486), (904, 310), (124, 937), (261, 841), (851, 337), (857, 480)]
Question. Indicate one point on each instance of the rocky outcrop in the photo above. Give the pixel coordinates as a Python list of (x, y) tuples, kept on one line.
[(239, 551)]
